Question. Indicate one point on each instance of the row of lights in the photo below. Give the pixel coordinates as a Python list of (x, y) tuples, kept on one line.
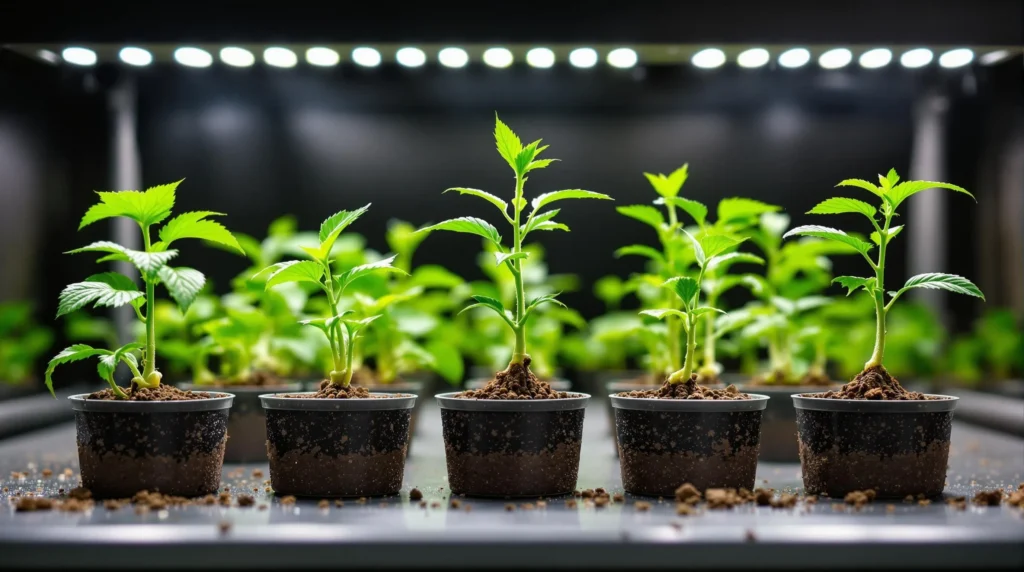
[(622, 58)]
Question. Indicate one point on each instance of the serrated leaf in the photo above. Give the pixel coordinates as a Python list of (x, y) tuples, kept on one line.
[(698, 250), (840, 205), (108, 289), (508, 143), (108, 362), (69, 354), (640, 250), (502, 205), (325, 324), (183, 284), (194, 225), (546, 299), (684, 287), (292, 271), (852, 283), (697, 211), (715, 244), (893, 231), (941, 281), (355, 325), (662, 313), (492, 303), (539, 164), (728, 259), (525, 228), (862, 184), (335, 224), (526, 156), (734, 208), (668, 186), (644, 213), (386, 265), (146, 208), (906, 189), (544, 200), (550, 225), (830, 234), (501, 257), (468, 225), (698, 312)]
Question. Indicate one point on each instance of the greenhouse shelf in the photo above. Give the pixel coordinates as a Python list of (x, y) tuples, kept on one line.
[(398, 532)]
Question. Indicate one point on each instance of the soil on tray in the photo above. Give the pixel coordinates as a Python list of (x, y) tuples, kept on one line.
[(162, 392), (874, 383), (687, 390), (515, 382)]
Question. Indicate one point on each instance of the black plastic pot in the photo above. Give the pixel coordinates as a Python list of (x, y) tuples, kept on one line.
[(620, 386), (410, 387), (337, 447), (896, 448), (512, 448), (175, 447), (778, 423), (665, 443), (247, 423)]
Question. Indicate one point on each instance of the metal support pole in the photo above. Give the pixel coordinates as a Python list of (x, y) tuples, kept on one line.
[(125, 174)]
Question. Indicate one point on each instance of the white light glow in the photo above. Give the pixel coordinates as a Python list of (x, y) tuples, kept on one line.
[(540, 58), (876, 58), (237, 57), (956, 58), (708, 58), (453, 57), (135, 56), (498, 57), (280, 57), (753, 58), (916, 58), (411, 57), (835, 58), (622, 58), (79, 56), (794, 57), (322, 57), (583, 57), (48, 56), (994, 57), (366, 57), (193, 57)]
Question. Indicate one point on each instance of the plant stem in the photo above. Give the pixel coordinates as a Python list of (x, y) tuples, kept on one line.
[(709, 335), (150, 366), (686, 372), (879, 293), (519, 352), (338, 342)]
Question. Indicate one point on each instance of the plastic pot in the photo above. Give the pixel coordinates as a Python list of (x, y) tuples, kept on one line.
[(408, 387), (778, 423), (896, 448), (175, 447), (247, 424), (512, 448), (664, 443), (337, 447)]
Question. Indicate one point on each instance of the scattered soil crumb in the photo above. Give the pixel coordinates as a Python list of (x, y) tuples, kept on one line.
[(339, 503), (268, 490), (811, 499), (687, 390), (874, 383), (527, 506), (587, 493), (209, 500), (1016, 499), (141, 510), (246, 500), (600, 491), (577, 493), (908, 499), (571, 503), (224, 499), (890, 508), (257, 474), (263, 507), (361, 500), (959, 503), (32, 504), (725, 498), (785, 500), (684, 509), (602, 501), (435, 504), (288, 500), (515, 382), (47, 473), (324, 504), (859, 498), (542, 504), (924, 502), (619, 497), (510, 507), (988, 498), (686, 492), (224, 527), (415, 494), (642, 506), (113, 504), (750, 536), (763, 497), (80, 493), (456, 504)]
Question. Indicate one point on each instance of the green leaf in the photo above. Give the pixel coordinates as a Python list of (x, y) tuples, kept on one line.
[(852, 283), (502, 205), (735, 208), (662, 313), (726, 260), (715, 244), (525, 157), (860, 183), (893, 231), (385, 265), (539, 164), (108, 289), (542, 201), (775, 223), (325, 324), (525, 229), (536, 302), (698, 312), (468, 225), (549, 225), (493, 304), (69, 354), (434, 276), (940, 281), (147, 262), (183, 284), (698, 211), (447, 360), (331, 228), (698, 250), (507, 256), (640, 250), (194, 225), (733, 321), (684, 287), (840, 205), (146, 208), (508, 143), (892, 178), (668, 186), (108, 362), (644, 213), (354, 326), (810, 302), (292, 271), (830, 234), (906, 189)]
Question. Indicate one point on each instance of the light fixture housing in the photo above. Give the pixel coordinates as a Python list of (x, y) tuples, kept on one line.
[(279, 57), (78, 56), (366, 57), (237, 57), (540, 58), (835, 58), (322, 57), (410, 57), (134, 56), (875, 58), (794, 58), (583, 58), (956, 58), (708, 58), (622, 58), (498, 57), (916, 58), (992, 58), (192, 57), (753, 58), (452, 57)]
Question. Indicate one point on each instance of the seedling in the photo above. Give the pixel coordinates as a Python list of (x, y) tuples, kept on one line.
[(340, 329), (784, 322), (112, 289), (22, 341), (523, 159), (891, 192)]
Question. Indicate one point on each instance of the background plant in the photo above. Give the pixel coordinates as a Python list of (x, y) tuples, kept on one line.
[(22, 343)]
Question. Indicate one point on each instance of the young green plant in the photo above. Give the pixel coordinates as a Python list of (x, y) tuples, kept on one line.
[(340, 329), (891, 193), (22, 341), (523, 159), (112, 289)]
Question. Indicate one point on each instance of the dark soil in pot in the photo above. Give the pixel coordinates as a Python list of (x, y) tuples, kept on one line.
[(874, 434), (516, 437), (337, 442), (686, 433), (161, 439), (556, 384), (778, 423), (247, 423)]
